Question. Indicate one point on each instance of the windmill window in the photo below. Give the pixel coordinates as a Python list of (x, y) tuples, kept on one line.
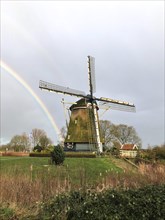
[(68, 136), (75, 121)]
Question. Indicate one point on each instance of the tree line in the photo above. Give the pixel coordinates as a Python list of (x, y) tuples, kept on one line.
[(153, 153), (24, 142), (113, 136), (117, 135)]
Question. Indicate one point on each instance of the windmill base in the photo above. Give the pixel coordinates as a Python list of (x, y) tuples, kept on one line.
[(79, 147)]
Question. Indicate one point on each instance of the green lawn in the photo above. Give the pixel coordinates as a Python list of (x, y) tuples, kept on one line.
[(74, 168)]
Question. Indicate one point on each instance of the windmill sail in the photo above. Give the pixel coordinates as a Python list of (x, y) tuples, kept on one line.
[(83, 130), (116, 104), (91, 75), (60, 89)]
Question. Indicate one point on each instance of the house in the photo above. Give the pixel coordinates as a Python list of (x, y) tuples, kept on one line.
[(128, 150)]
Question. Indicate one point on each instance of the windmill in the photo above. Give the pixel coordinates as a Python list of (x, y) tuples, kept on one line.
[(83, 129)]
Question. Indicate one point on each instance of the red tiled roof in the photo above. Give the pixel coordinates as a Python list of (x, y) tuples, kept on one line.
[(128, 147)]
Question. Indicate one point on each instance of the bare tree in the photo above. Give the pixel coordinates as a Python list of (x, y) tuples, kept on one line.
[(63, 132), (106, 129), (20, 142), (36, 136), (126, 134), (45, 141), (25, 140), (113, 134), (40, 139)]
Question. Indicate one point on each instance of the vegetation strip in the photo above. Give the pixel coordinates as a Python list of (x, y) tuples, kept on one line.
[(78, 187), (144, 203)]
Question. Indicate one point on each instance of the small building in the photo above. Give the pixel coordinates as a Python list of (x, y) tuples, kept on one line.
[(128, 150)]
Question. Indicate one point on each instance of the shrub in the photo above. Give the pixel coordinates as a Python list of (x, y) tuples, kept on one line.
[(67, 154), (80, 154), (57, 155), (36, 154), (15, 154), (143, 203), (38, 148)]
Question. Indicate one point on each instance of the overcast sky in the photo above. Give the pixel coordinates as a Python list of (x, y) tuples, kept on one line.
[(50, 40)]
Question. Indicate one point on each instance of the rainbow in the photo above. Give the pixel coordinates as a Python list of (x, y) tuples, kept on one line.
[(34, 95)]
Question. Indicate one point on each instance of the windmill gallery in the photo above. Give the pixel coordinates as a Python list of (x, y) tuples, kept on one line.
[(83, 133)]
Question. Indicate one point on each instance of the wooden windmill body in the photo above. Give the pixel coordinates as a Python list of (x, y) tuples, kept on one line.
[(81, 134), (83, 131)]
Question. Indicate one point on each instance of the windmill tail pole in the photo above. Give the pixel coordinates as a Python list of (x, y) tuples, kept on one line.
[(99, 144)]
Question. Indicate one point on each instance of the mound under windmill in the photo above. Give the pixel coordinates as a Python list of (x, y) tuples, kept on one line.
[(83, 132)]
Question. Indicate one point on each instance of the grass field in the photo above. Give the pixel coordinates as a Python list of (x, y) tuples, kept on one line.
[(22, 175), (74, 167), (28, 181)]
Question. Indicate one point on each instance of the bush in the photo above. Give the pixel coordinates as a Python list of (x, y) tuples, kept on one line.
[(38, 148), (67, 154), (143, 203), (80, 154), (57, 155), (15, 154), (36, 154)]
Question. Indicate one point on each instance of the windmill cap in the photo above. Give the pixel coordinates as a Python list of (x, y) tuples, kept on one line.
[(82, 103)]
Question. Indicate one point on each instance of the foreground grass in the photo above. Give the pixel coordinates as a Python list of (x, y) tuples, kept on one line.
[(73, 168), (125, 204), (28, 182)]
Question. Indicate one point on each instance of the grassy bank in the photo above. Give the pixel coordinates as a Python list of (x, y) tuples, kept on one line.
[(33, 167), (26, 182)]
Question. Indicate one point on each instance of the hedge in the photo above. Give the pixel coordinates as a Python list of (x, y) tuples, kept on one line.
[(36, 154), (133, 204), (67, 154), (15, 154), (80, 154)]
